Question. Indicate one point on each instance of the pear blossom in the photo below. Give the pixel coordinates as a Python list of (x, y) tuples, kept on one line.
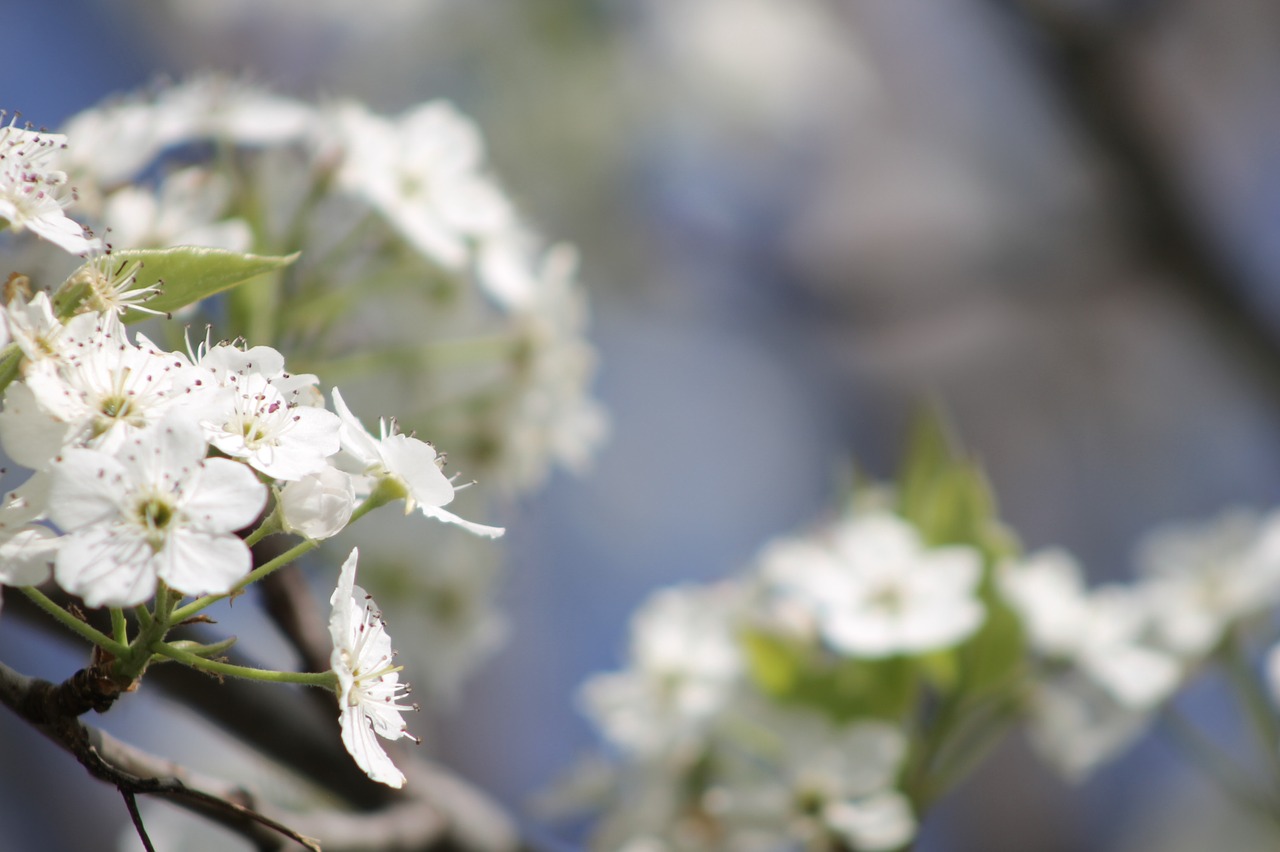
[(552, 417), (1203, 577), (27, 549), (1101, 674), (253, 410), (32, 191), (272, 433), (106, 390), (423, 172), (684, 667), (1271, 672), (186, 209), (156, 510), (1105, 633), (369, 687), (111, 287), (1077, 725), (41, 334), (874, 589), (318, 505), (410, 462), (817, 784)]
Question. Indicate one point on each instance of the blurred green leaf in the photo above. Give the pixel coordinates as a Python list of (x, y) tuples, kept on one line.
[(929, 453), (772, 663), (797, 673)]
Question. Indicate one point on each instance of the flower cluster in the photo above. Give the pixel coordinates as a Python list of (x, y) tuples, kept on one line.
[(1106, 659), (730, 718), (495, 321), (774, 709), (153, 471)]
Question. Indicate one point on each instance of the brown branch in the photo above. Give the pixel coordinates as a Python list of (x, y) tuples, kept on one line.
[(134, 771), (436, 811), (131, 803)]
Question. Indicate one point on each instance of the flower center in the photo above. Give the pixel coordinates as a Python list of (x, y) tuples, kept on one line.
[(155, 514)]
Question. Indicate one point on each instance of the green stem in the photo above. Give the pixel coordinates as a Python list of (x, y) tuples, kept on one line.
[(269, 526), (1231, 779), (322, 679), (74, 624), (183, 613), (1253, 699), (119, 628)]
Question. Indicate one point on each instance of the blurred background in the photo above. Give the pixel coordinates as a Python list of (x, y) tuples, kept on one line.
[(796, 219)]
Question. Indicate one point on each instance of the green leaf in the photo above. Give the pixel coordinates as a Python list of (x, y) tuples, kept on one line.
[(993, 655), (930, 452), (798, 673), (772, 662), (189, 274)]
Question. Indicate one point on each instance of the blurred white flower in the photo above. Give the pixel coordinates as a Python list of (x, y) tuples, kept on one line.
[(423, 172), (1100, 674), (873, 589), (1203, 577), (683, 667), (188, 208), (116, 141), (819, 786), (1105, 633), (369, 687), (1271, 671), (551, 417), (1078, 725)]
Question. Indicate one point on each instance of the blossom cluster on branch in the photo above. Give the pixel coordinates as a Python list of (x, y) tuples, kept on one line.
[(828, 695), (154, 470)]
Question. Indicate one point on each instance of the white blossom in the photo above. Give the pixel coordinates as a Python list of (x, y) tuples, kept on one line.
[(105, 390), (410, 462), (1105, 632), (818, 785), (155, 510), (33, 193), (187, 208), (40, 334), (1078, 725), (318, 505), (422, 171), (369, 688), (27, 550), (1203, 577), (552, 417), (684, 666), (873, 589)]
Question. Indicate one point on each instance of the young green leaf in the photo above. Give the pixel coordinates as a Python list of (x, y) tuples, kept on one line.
[(186, 274)]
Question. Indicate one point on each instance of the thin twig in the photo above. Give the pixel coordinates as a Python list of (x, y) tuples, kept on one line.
[(135, 771), (436, 811), (131, 802)]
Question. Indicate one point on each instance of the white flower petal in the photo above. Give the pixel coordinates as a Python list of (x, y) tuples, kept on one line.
[(450, 518), (200, 563)]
